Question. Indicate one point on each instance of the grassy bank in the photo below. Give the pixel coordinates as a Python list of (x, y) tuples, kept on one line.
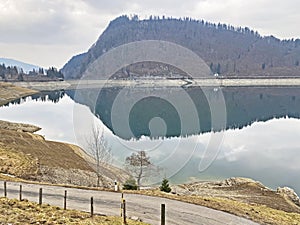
[(29, 156), (24, 212)]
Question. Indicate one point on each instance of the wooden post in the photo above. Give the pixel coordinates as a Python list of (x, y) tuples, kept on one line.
[(163, 214), (20, 196), (5, 189), (92, 206), (121, 208), (41, 196), (124, 212), (65, 201)]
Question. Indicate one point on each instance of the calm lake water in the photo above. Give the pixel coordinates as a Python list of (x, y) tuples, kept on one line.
[(194, 134)]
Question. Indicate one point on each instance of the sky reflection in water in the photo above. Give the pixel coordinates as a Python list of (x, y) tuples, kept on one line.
[(265, 151)]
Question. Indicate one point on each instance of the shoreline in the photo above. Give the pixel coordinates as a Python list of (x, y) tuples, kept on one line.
[(158, 83), (10, 92)]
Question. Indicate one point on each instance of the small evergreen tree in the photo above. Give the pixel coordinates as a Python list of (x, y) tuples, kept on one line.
[(165, 186)]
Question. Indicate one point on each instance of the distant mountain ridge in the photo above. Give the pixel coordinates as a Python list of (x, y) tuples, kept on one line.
[(227, 50), (25, 66)]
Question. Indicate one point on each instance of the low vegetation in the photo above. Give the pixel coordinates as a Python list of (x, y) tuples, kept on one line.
[(25, 212), (17, 163), (130, 184)]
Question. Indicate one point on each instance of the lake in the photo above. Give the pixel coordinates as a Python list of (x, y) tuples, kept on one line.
[(190, 133)]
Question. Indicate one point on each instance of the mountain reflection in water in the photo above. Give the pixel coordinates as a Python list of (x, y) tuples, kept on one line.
[(243, 107)]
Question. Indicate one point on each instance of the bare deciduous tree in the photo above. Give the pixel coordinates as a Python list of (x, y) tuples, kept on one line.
[(100, 150), (139, 166)]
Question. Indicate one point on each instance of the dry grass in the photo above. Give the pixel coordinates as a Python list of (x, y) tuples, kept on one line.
[(247, 191), (21, 149), (255, 212), (9, 92), (24, 212), (4, 177), (17, 163)]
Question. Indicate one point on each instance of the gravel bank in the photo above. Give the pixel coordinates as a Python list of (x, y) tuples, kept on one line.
[(79, 84)]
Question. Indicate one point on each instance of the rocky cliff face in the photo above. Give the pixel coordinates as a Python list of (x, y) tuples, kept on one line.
[(227, 50)]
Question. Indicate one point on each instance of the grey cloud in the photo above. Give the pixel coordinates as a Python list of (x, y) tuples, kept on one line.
[(45, 22), (107, 6), (79, 23)]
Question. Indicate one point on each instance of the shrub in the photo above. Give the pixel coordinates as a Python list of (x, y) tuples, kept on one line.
[(130, 184)]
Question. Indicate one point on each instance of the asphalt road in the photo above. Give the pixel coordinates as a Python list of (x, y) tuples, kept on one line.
[(108, 203)]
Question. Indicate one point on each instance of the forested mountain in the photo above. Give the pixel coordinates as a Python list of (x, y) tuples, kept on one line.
[(227, 50)]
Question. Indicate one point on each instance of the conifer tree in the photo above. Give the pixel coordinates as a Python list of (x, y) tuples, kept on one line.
[(165, 186)]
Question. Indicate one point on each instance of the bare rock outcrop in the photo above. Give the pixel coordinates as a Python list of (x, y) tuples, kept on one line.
[(290, 194), (235, 181), (245, 190)]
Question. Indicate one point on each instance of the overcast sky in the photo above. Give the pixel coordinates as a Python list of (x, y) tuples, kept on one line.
[(50, 32)]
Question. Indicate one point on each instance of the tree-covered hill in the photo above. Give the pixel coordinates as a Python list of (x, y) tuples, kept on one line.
[(227, 50)]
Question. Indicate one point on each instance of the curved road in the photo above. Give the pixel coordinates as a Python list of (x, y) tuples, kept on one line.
[(108, 203)]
